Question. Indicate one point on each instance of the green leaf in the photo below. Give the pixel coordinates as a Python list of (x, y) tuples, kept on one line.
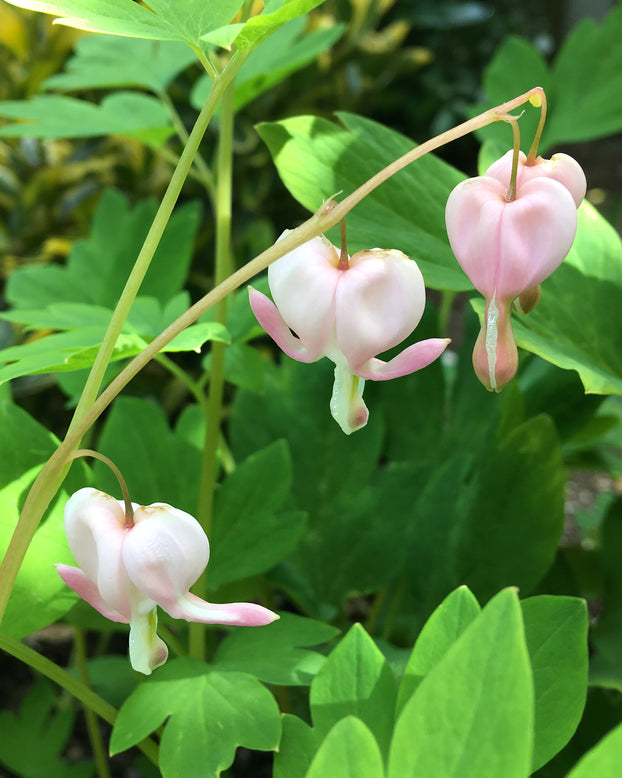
[(107, 61), (575, 326), (472, 715), (517, 66), (316, 158), (250, 534), (348, 751), (194, 19), (276, 13), (211, 714), (119, 17), (603, 760), (556, 634), (457, 611), (297, 748), (278, 653), (32, 741), (39, 596), (355, 680), (157, 463), (55, 116), (97, 268), (285, 52)]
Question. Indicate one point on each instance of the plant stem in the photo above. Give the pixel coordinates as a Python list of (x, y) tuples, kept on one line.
[(76, 688), (213, 407), (99, 752), (52, 474), (538, 100)]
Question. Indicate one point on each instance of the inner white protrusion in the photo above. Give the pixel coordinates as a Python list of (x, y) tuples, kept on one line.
[(492, 335)]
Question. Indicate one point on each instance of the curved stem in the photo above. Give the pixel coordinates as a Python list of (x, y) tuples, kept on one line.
[(52, 474), (76, 688), (539, 101), (89, 452), (511, 192)]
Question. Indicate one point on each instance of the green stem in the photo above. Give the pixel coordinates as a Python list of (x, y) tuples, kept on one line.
[(539, 101), (52, 474), (99, 752), (76, 688), (181, 376), (213, 407), (444, 312)]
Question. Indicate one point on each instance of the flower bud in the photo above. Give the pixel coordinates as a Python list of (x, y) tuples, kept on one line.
[(349, 314)]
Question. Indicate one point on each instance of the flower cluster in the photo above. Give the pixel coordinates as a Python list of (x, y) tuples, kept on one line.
[(507, 245), (130, 565)]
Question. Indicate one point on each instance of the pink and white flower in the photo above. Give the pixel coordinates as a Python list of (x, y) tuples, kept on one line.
[(129, 567), (348, 309)]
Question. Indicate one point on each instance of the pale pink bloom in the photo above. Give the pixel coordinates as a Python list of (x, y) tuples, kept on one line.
[(560, 167), (507, 248), (348, 314), (127, 568)]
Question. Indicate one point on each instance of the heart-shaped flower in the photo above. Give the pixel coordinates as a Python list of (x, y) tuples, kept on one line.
[(129, 566), (348, 309)]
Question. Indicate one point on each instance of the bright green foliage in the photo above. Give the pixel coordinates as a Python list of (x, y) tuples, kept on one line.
[(556, 634), (207, 713), (472, 715), (603, 760), (39, 596), (55, 116), (317, 159), (585, 101), (348, 751), (297, 748), (278, 653), (457, 611), (355, 681), (285, 52), (108, 61), (31, 742)]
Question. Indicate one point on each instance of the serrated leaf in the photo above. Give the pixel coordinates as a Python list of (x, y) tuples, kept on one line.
[(209, 715), (348, 751), (55, 116), (472, 715), (250, 531), (355, 680), (286, 51), (316, 158), (107, 61), (278, 653), (97, 268)]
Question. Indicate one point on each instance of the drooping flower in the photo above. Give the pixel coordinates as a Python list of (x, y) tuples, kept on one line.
[(348, 309), (128, 567), (507, 247)]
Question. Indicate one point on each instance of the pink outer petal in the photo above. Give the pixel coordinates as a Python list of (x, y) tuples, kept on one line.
[(165, 552), (271, 320), (82, 585), (241, 614), (561, 168), (537, 231), (413, 358), (95, 528), (303, 285), (380, 301)]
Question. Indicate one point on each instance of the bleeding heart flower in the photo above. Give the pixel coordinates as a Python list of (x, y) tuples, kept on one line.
[(347, 309), (506, 248), (128, 567)]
